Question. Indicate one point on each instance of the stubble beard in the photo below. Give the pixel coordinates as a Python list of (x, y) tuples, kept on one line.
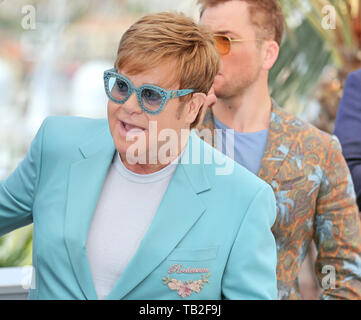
[(228, 89)]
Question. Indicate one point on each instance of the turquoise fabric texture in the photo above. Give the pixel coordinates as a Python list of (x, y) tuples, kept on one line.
[(210, 238)]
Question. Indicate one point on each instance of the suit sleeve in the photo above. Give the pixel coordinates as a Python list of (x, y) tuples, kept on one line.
[(338, 230), (348, 128), (18, 190), (250, 272)]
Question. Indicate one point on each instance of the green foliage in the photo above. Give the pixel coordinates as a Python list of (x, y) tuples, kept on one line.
[(16, 248), (303, 56), (307, 49)]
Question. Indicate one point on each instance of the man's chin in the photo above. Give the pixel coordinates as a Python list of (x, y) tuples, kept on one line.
[(219, 79), (228, 90), (221, 91), (133, 155), (218, 85)]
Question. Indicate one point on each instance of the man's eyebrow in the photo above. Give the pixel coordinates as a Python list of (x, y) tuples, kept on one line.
[(227, 32)]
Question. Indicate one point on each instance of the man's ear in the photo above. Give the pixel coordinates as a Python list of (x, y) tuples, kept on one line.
[(272, 50), (194, 105), (210, 101)]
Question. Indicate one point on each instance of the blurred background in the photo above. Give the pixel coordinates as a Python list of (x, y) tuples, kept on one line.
[(53, 54)]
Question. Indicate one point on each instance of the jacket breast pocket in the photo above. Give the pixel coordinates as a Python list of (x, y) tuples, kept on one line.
[(185, 254)]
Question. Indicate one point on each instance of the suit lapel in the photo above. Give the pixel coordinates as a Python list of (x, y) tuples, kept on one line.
[(177, 213), (86, 180), (279, 141)]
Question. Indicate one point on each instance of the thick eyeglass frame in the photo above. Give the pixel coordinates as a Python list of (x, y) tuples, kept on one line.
[(165, 94), (233, 40)]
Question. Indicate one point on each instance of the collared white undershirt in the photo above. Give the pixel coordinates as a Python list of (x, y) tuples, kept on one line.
[(124, 212)]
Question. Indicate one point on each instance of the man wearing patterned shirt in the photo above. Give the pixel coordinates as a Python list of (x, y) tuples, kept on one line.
[(304, 166)]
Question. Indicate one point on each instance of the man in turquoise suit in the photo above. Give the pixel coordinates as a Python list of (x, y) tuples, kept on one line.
[(136, 206)]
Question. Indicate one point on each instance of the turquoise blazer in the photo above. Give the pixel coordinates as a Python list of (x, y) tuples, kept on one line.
[(210, 238)]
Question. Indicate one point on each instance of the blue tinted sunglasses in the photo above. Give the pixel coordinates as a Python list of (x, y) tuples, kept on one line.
[(151, 98)]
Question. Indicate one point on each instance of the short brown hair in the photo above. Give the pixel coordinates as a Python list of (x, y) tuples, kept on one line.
[(265, 15), (162, 37)]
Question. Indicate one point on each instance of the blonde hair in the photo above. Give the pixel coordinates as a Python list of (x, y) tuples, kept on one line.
[(164, 37)]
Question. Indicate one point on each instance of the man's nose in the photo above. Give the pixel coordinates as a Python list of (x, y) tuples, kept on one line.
[(132, 104)]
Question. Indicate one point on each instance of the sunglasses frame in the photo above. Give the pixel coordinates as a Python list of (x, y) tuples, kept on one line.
[(233, 40), (165, 94)]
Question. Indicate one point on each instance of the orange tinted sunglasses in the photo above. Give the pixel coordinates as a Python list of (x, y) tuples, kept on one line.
[(223, 43)]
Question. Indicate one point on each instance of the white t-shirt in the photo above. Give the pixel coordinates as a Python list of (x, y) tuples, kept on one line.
[(124, 212)]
